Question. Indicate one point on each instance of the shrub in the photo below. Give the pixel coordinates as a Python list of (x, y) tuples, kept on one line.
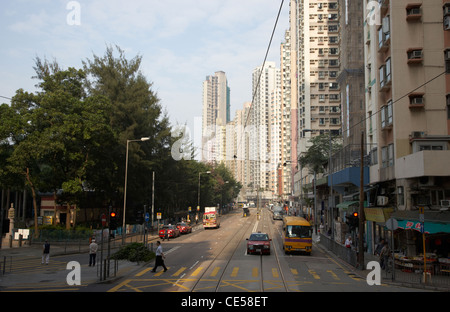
[(134, 252)]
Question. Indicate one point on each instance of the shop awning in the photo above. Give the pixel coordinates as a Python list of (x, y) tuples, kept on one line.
[(347, 204), (435, 221), (430, 227), (378, 214)]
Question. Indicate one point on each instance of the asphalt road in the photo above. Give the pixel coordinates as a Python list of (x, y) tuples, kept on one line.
[(215, 260)]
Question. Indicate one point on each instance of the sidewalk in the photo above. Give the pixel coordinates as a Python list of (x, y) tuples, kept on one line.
[(55, 275), (385, 278)]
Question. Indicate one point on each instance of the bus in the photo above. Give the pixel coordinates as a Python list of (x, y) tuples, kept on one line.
[(297, 235), (211, 218)]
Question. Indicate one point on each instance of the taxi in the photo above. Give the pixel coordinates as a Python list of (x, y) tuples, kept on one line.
[(258, 243), (172, 231), (184, 228)]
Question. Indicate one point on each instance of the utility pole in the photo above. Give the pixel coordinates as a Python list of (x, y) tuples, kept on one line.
[(361, 208)]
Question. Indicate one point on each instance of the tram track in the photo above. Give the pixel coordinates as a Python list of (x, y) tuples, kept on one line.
[(233, 244), (265, 215)]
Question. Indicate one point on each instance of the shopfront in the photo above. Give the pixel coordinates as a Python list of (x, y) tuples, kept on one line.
[(409, 241), (376, 218)]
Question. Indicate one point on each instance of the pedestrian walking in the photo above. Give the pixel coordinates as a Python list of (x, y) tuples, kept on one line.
[(159, 257), (93, 247), (379, 247), (384, 256), (46, 252), (348, 242)]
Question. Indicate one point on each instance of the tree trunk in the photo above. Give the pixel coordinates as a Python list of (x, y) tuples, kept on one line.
[(33, 192)]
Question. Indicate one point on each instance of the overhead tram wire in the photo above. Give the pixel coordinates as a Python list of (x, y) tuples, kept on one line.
[(260, 74)]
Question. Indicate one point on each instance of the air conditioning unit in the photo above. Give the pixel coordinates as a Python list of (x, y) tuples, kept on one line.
[(447, 22), (382, 200), (446, 10), (416, 54), (417, 101), (445, 203), (426, 181)]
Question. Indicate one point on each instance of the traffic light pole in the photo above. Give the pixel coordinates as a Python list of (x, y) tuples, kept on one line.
[(361, 208), (109, 239)]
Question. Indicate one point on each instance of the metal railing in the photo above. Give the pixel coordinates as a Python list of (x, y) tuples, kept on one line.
[(407, 272)]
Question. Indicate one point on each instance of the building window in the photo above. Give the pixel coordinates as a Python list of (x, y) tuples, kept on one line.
[(447, 16), (413, 12), (333, 28), (447, 61), (384, 157), (416, 100), (415, 56), (387, 156), (390, 155), (400, 196), (386, 115), (448, 105)]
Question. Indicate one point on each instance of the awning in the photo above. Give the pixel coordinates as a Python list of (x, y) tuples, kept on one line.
[(347, 204), (378, 214), (429, 227), (435, 221)]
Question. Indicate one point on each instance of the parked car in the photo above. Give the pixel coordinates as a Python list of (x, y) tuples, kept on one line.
[(184, 228), (172, 231), (258, 243)]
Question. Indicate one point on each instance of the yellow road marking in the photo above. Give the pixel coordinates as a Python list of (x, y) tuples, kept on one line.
[(235, 272), (160, 272), (255, 272), (179, 271), (334, 275), (143, 272), (314, 274), (275, 273), (215, 271), (294, 271), (197, 271)]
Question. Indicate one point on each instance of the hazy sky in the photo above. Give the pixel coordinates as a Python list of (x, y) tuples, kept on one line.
[(181, 42)]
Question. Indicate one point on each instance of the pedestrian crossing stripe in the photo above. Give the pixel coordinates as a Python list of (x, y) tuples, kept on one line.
[(235, 271), (197, 271), (181, 270), (215, 271)]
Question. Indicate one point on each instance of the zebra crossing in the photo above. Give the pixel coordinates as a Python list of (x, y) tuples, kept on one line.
[(236, 272)]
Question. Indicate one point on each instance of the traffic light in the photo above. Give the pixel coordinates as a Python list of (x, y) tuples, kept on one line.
[(112, 221), (353, 221)]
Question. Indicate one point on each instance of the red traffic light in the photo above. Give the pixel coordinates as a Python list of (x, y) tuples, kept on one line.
[(355, 214), (113, 214)]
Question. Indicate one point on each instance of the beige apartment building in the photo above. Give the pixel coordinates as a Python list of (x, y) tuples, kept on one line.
[(315, 31), (406, 50), (215, 113)]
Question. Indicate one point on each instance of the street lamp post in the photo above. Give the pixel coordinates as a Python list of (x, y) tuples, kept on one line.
[(125, 187), (198, 198)]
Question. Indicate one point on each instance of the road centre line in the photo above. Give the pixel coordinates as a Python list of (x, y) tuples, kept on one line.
[(194, 265)]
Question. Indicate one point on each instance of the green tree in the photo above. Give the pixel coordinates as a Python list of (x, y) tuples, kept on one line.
[(318, 154), (61, 132), (135, 113)]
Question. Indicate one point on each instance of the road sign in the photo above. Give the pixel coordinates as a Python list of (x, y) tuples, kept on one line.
[(103, 217), (158, 215), (392, 224), (147, 217)]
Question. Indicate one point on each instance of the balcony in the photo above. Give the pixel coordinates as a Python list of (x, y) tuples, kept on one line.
[(423, 163)]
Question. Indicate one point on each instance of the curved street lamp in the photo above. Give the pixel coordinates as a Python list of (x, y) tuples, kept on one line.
[(125, 188)]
